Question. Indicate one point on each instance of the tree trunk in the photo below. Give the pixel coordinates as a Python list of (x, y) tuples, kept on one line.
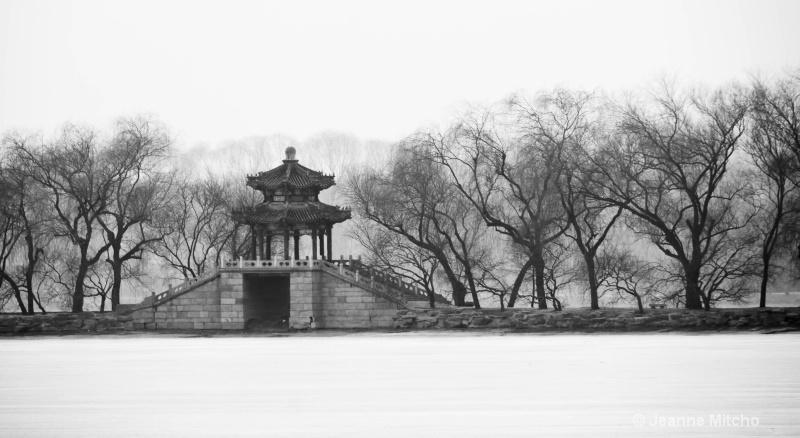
[(459, 293), (639, 303), (77, 296), (593, 286), (32, 259), (473, 289), (116, 267), (17, 295), (21, 304), (518, 282), (538, 267), (39, 305), (764, 281), (693, 289), (29, 287), (459, 290)]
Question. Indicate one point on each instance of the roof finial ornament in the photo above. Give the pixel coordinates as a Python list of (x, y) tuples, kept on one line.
[(290, 153)]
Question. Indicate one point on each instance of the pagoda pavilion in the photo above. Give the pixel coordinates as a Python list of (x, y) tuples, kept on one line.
[(291, 209)]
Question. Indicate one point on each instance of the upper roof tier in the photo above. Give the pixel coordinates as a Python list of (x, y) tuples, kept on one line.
[(290, 177)]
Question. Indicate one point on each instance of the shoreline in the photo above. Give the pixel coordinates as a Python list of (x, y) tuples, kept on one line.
[(468, 321)]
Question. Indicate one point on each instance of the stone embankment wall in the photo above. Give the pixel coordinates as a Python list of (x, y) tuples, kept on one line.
[(520, 319), (601, 320), (65, 322)]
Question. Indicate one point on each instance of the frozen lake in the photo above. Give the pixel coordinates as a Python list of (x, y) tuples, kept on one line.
[(404, 385)]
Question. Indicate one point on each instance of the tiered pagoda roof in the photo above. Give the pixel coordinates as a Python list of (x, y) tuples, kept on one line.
[(295, 215), (290, 176), (291, 198)]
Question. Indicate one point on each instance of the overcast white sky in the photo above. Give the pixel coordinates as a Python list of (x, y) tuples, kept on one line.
[(214, 71)]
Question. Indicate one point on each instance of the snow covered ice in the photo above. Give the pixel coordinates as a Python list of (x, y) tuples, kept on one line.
[(405, 385)]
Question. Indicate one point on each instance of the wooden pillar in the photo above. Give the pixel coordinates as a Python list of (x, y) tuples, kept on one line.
[(313, 243), (268, 245), (322, 244), (235, 253), (297, 244), (253, 242), (330, 242), (261, 243), (286, 244)]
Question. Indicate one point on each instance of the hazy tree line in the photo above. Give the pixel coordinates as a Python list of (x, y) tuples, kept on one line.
[(530, 196), (687, 196)]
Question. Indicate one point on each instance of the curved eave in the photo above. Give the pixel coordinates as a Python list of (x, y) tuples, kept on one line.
[(271, 186), (292, 214)]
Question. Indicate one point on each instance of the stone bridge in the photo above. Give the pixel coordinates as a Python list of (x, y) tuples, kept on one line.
[(275, 293)]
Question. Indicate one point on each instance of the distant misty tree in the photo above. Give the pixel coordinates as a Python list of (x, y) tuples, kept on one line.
[(23, 224), (198, 223), (332, 152)]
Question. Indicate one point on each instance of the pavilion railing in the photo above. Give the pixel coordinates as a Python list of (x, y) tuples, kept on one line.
[(172, 291)]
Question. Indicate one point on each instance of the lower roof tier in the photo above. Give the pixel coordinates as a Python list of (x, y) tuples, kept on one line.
[(293, 215)]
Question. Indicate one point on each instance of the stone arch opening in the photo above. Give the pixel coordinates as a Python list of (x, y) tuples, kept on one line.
[(266, 301)]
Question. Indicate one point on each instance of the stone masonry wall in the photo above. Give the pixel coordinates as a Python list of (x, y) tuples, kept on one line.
[(65, 323), (231, 300), (303, 305), (196, 310), (343, 305)]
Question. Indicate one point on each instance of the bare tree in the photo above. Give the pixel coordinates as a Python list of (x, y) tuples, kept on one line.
[(393, 253), (559, 272), (412, 199), (628, 275), (774, 147), (12, 230), (510, 170), (590, 219), (667, 165), (77, 176), (138, 199)]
